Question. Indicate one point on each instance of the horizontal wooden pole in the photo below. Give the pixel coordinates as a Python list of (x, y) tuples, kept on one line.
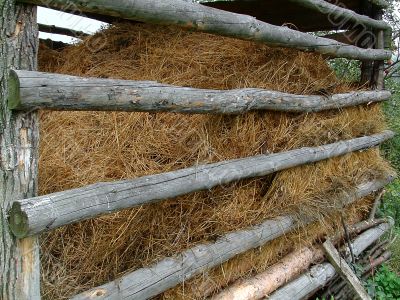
[(342, 15), (32, 90), (319, 275), (148, 282), (207, 19), (34, 215), (61, 30)]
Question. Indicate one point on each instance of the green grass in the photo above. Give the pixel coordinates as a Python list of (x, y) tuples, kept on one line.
[(391, 203)]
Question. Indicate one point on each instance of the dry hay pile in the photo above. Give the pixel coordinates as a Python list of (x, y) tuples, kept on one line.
[(79, 148)]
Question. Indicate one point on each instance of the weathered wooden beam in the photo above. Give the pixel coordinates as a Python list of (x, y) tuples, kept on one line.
[(344, 270), (319, 275), (19, 136), (34, 90), (61, 30), (147, 282), (339, 14), (207, 19), (32, 216)]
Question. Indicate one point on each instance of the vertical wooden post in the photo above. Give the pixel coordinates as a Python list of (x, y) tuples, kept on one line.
[(19, 259), (378, 76), (366, 65)]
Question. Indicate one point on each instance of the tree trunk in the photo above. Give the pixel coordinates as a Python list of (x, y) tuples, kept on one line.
[(19, 259)]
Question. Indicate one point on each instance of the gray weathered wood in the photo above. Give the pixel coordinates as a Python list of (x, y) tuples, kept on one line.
[(32, 216), (336, 13), (206, 19), (379, 76), (319, 275), (19, 259), (147, 282), (61, 30), (32, 90), (344, 270)]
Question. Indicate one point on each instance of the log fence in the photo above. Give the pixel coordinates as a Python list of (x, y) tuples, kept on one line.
[(24, 91)]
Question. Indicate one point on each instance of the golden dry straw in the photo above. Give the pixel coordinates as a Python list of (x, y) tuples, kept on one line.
[(79, 148)]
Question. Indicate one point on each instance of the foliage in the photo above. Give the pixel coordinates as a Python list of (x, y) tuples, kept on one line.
[(385, 285), (347, 70)]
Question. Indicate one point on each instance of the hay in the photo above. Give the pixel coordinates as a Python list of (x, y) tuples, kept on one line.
[(79, 148)]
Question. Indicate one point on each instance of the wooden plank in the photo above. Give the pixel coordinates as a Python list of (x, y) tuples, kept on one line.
[(344, 270), (147, 282), (34, 90), (206, 19), (336, 13), (319, 275), (35, 215), (19, 259)]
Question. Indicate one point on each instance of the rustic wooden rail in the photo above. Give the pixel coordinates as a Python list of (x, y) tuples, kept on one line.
[(336, 13), (206, 19), (61, 30), (34, 215), (319, 275), (147, 282), (32, 90)]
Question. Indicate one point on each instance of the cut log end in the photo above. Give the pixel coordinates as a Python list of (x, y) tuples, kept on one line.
[(18, 221), (14, 98)]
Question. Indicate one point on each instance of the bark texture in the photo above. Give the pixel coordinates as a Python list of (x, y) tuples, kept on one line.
[(34, 90), (19, 259)]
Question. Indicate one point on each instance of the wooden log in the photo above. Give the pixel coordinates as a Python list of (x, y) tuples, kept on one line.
[(19, 136), (61, 30), (342, 15), (319, 275), (344, 270), (147, 282), (285, 270), (265, 283), (33, 90), (35, 215), (207, 19)]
